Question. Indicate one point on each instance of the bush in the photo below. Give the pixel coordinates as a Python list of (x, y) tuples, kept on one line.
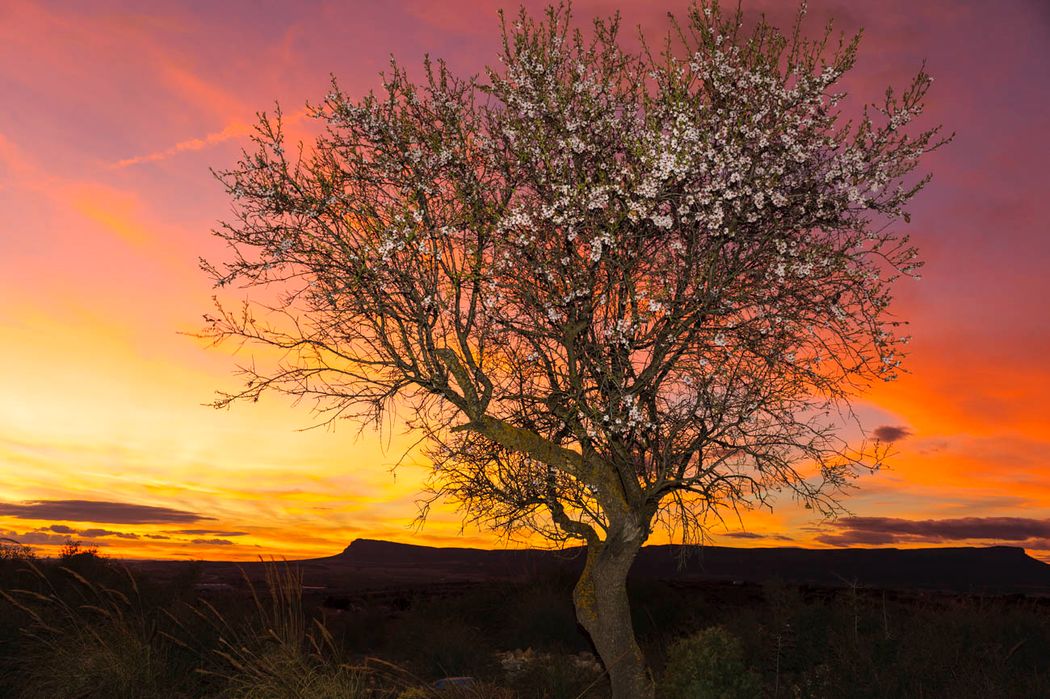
[(11, 550), (280, 653), (83, 638), (440, 647), (709, 665), (541, 615)]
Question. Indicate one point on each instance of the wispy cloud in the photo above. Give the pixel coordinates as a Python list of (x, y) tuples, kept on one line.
[(889, 530), (35, 538), (97, 533), (756, 535), (98, 511), (854, 537), (233, 130), (87, 533)]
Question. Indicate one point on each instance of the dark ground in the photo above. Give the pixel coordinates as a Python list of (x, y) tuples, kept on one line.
[(794, 623)]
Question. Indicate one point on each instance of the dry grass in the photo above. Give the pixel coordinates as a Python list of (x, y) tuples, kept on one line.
[(85, 627)]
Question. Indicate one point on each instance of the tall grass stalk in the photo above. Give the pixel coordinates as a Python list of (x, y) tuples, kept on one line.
[(279, 653), (93, 641)]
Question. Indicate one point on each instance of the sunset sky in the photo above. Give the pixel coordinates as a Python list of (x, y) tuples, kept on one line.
[(113, 113)]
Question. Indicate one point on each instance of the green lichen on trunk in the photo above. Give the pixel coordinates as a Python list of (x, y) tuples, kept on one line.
[(603, 610)]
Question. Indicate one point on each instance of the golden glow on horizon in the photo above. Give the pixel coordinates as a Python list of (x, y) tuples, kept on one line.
[(116, 112)]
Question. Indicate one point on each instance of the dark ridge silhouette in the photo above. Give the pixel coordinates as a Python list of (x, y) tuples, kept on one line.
[(994, 569), (369, 565)]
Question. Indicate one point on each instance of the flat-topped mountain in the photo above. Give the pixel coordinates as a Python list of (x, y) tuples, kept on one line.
[(367, 564), (995, 569)]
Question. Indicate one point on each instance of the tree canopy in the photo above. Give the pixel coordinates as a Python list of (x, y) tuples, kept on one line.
[(595, 273), (610, 286)]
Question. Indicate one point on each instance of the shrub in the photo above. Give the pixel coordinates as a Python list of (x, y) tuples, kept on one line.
[(541, 615), (281, 654), (11, 550), (440, 646), (83, 638), (709, 665)]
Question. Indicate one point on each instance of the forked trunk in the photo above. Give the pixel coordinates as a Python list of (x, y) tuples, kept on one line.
[(603, 610)]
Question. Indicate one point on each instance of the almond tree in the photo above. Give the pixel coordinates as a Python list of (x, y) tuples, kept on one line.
[(613, 288)]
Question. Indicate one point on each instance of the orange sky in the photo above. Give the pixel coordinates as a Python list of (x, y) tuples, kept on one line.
[(113, 113)]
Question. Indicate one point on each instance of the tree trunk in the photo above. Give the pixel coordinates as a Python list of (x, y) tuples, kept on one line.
[(603, 610)]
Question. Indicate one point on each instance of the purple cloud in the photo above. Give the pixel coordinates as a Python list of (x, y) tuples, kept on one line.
[(754, 535), (1004, 528), (854, 537), (87, 533), (891, 433), (889, 530), (98, 511), (96, 533), (39, 538)]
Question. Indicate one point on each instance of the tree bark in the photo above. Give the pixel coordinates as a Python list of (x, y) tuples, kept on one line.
[(603, 610)]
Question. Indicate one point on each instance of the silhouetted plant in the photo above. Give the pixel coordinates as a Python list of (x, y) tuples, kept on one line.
[(281, 653), (709, 665), (12, 550), (85, 638), (76, 550)]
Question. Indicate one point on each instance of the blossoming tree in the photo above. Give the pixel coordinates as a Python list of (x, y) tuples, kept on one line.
[(616, 288)]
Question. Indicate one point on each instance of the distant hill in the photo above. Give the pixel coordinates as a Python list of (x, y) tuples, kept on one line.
[(995, 569)]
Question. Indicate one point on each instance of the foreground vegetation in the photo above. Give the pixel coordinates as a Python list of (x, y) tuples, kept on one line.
[(83, 626)]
